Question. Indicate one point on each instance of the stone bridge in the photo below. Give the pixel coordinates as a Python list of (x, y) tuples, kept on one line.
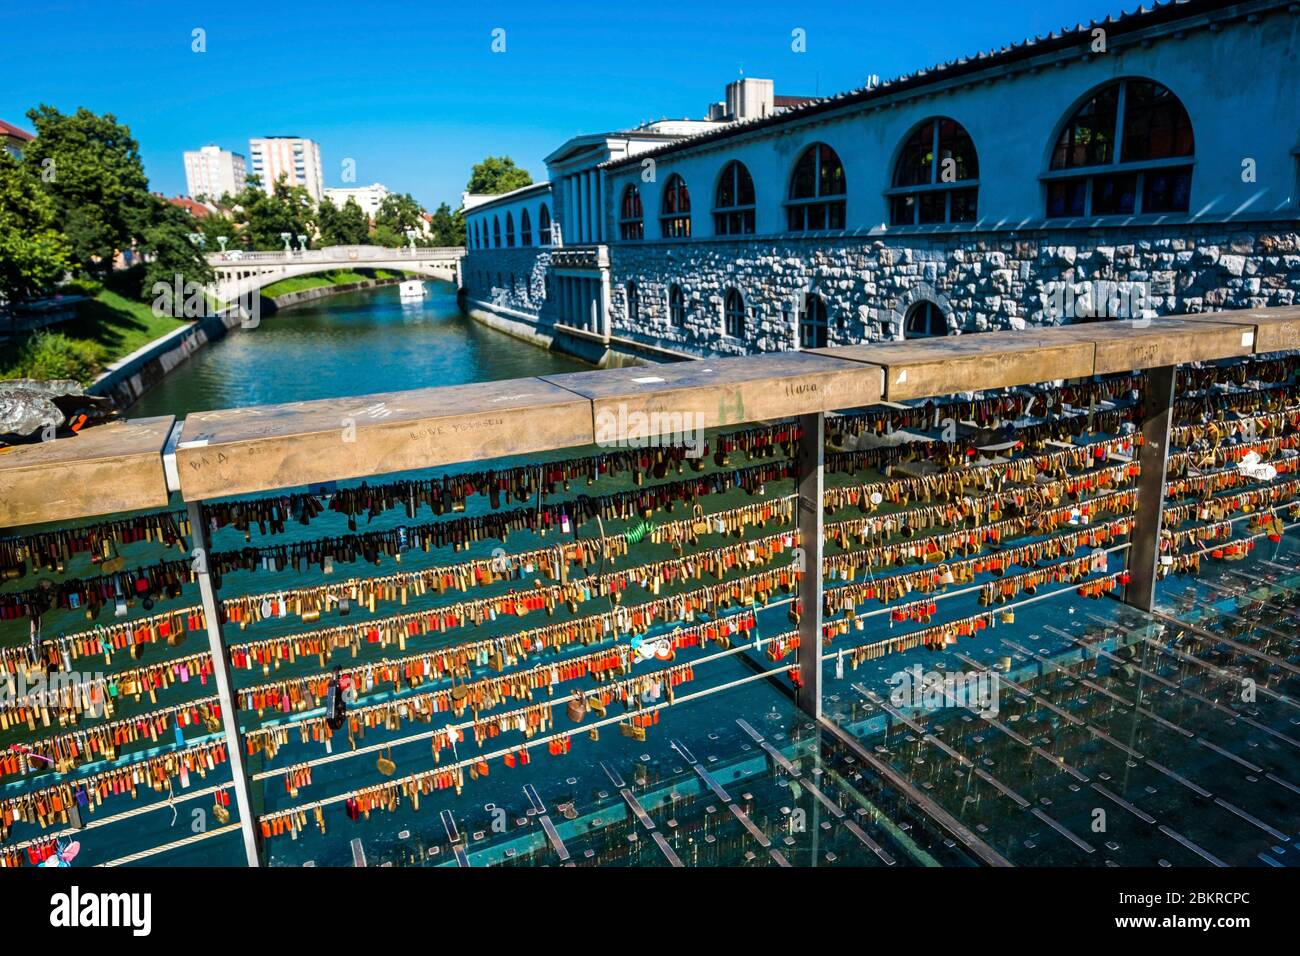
[(240, 273)]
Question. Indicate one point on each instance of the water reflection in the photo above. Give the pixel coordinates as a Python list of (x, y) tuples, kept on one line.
[(351, 344)]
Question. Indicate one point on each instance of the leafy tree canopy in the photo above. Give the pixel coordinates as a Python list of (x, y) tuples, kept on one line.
[(265, 216), (91, 169), (496, 175), (33, 253), (448, 227)]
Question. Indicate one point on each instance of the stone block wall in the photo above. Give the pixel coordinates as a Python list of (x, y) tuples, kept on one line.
[(980, 281), (513, 279)]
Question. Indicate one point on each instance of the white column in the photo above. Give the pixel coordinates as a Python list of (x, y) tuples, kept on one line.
[(584, 200), (605, 324), (570, 231)]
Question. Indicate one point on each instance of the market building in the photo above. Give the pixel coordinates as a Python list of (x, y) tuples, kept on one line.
[(1088, 174)]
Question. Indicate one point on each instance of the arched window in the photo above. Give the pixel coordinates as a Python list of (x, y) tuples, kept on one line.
[(924, 320), (675, 211), (676, 305), (813, 324), (733, 204), (631, 223), (1125, 151), (473, 236), (510, 230), (733, 314), (525, 228), (633, 303), (544, 226), (817, 191), (935, 178), (496, 234)]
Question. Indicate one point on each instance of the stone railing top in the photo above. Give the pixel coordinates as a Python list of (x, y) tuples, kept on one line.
[(103, 470), (119, 467)]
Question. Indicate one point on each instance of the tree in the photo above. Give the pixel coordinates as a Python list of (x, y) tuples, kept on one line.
[(397, 213), (448, 227), (342, 227), (170, 254), (91, 169), (267, 215), (33, 254), (496, 175), (220, 223)]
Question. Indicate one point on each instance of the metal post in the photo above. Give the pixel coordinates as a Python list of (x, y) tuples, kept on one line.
[(812, 444), (1153, 457), (225, 693)]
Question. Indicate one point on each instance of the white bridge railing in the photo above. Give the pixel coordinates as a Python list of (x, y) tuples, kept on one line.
[(339, 254)]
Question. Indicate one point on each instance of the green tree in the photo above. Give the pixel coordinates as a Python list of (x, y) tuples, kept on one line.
[(33, 254), (170, 253), (397, 213), (346, 226), (496, 175), (91, 169), (266, 215), (448, 227), (213, 227)]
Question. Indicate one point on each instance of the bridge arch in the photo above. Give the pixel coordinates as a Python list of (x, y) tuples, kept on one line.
[(241, 273)]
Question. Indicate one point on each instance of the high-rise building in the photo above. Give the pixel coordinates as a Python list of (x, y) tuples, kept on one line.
[(367, 197), (292, 158), (213, 172)]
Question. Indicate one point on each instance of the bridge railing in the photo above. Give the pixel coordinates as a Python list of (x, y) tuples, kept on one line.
[(340, 254), (752, 515)]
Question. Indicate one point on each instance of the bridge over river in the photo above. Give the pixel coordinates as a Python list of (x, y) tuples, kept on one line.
[(239, 273)]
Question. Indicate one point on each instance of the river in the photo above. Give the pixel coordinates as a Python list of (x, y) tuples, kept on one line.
[(350, 344)]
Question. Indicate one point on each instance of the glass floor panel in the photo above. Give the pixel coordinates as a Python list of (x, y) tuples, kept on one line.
[(1117, 738), (739, 778)]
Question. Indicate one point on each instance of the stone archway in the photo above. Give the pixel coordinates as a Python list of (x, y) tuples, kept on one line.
[(921, 292)]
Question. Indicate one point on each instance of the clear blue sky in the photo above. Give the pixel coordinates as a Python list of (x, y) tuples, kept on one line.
[(413, 92)]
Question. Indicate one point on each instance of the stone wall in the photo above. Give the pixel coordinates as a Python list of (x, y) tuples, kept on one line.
[(508, 279), (980, 281)]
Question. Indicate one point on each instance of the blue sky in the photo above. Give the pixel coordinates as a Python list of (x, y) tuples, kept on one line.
[(413, 93)]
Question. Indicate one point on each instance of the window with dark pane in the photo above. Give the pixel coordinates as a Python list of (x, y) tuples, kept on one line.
[(633, 302), (817, 188), (936, 160), (525, 228), (676, 305), (733, 205), (631, 221), (544, 226), (813, 324), (734, 314), (1141, 131), (675, 209), (924, 320)]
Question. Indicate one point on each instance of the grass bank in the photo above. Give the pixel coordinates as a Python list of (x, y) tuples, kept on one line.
[(107, 327), (337, 277)]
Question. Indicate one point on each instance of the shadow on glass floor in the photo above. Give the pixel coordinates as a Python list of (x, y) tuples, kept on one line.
[(1110, 737)]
